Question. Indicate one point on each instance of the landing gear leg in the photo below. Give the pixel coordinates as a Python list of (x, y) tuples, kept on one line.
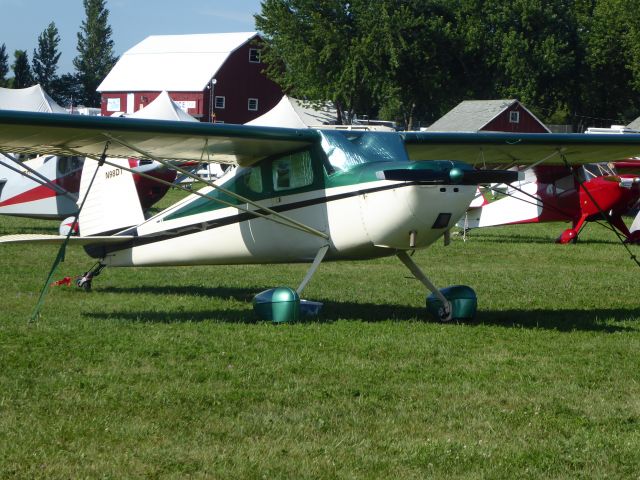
[(445, 312), (314, 266), (84, 282)]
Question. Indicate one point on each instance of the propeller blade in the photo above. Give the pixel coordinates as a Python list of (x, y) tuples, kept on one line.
[(422, 176), (476, 177), (453, 176)]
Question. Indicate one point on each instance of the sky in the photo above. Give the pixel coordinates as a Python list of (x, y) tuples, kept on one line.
[(22, 21)]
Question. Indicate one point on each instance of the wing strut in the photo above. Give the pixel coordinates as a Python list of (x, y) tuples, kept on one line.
[(273, 215), (63, 247)]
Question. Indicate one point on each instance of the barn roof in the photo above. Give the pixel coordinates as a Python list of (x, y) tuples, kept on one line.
[(176, 63), (473, 115)]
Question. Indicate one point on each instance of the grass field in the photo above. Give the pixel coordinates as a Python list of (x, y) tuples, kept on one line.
[(165, 373)]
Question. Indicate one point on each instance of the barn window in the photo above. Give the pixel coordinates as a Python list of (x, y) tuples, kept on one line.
[(514, 116), (254, 55), (220, 101), (253, 104)]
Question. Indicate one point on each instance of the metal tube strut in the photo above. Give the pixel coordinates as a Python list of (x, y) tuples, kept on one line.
[(417, 272), (314, 266)]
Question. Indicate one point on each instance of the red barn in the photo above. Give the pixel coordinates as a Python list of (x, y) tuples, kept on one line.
[(213, 77), (489, 116)]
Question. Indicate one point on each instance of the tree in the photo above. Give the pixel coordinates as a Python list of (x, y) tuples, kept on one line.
[(324, 50), (412, 60), (67, 90), (22, 76), (612, 87), (423, 74), (4, 65), (95, 50), (45, 58)]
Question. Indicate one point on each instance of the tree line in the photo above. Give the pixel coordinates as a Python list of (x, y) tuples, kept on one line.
[(413, 60), (94, 60)]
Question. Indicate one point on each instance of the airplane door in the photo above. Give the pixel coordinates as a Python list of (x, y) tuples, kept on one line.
[(296, 188)]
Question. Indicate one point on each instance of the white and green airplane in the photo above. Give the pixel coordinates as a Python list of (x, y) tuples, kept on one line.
[(296, 195)]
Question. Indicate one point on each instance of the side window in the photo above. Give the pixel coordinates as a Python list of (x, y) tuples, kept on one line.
[(64, 165), (252, 180), (292, 171)]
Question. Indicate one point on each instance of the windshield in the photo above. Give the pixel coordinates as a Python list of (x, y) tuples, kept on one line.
[(347, 149)]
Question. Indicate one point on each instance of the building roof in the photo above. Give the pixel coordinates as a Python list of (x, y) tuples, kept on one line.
[(293, 113), (473, 115), (176, 63), (31, 99)]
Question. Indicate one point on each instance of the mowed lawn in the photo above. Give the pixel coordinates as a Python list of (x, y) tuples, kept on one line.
[(166, 373)]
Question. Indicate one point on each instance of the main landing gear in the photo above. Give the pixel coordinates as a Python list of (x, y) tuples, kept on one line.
[(84, 282), (283, 304), (457, 302)]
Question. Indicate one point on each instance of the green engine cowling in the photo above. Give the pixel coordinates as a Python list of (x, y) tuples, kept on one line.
[(464, 302)]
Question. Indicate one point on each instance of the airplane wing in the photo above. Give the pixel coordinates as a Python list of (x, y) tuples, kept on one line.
[(484, 148), (30, 132)]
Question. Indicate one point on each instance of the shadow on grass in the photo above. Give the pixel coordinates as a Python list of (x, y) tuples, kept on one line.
[(239, 294), (601, 320), (584, 240)]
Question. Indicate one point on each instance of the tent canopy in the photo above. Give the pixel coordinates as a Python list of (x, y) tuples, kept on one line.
[(31, 99), (293, 113), (163, 108)]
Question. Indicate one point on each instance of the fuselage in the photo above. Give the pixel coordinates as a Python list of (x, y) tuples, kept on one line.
[(334, 188), (25, 194)]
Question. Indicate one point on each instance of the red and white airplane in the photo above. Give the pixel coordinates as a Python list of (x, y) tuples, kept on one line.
[(47, 186), (555, 194)]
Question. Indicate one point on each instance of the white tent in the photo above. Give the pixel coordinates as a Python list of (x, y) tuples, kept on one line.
[(163, 108), (293, 113), (177, 63), (32, 99)]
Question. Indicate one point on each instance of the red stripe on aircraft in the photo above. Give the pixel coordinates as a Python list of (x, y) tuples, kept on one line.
[(38, 193)]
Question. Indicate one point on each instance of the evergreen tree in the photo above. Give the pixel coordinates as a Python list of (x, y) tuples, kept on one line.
[(95, 50), (45, 58), (4, 65), (22, 76), (67, 90)]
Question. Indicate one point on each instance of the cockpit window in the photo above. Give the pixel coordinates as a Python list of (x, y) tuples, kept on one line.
[(591, 170), (252, 179), (68, 164), (347, 149), (292, 171)]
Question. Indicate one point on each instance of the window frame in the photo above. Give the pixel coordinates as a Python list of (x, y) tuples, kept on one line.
[(514, 116), (249, 104), (215, 102), (254, 55)]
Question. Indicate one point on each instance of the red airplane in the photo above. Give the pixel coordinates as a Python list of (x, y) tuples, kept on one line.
[(555, 194)]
